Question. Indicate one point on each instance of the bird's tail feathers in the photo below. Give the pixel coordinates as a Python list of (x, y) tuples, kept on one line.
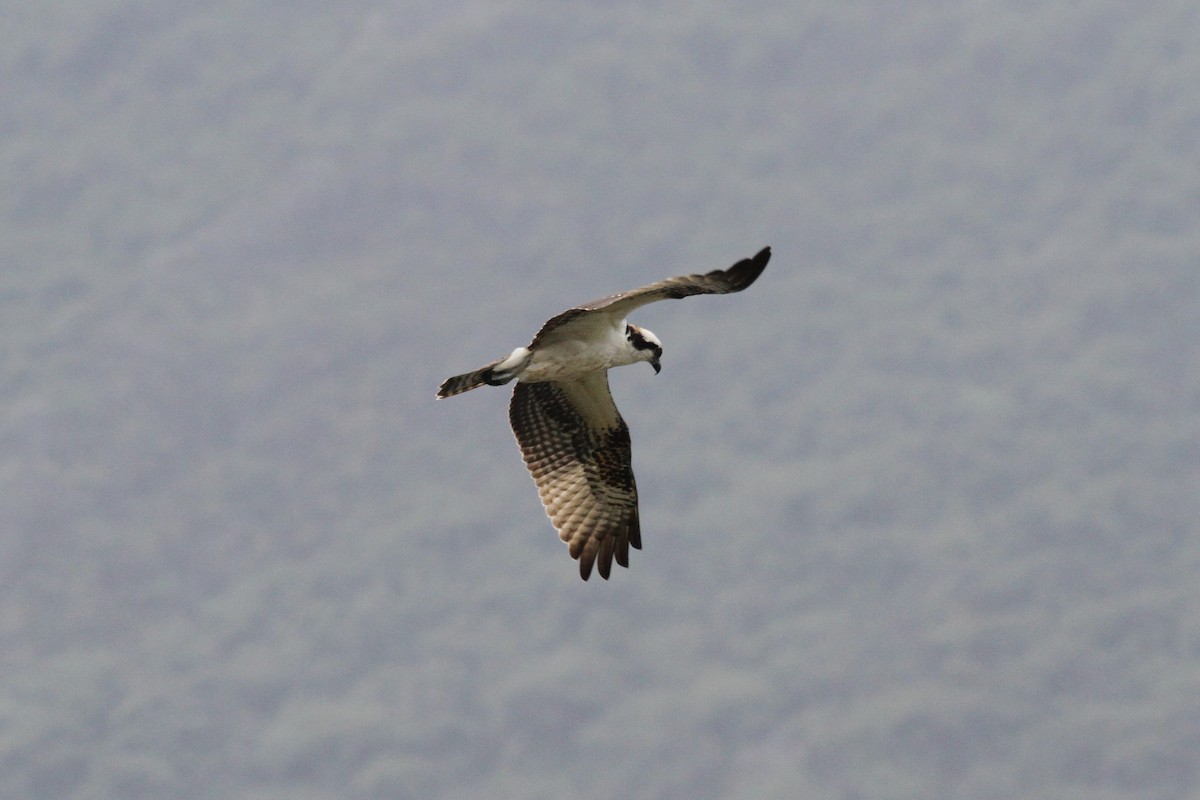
[(489, 375), (497, 373), (467, 381)]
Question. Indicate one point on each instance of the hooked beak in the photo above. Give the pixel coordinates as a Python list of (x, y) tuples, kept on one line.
[(657, 366)]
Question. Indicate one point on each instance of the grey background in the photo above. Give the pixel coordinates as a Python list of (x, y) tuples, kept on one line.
[(920, 507)]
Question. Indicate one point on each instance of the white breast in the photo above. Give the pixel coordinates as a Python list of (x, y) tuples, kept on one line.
[(570, 358)]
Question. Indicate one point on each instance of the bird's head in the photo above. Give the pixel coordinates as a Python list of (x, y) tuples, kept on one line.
[(646, 345)]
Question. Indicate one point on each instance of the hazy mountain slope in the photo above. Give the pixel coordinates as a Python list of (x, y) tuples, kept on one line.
[(919, 507)]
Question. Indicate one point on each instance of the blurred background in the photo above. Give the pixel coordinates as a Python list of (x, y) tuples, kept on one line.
[(920, 507)]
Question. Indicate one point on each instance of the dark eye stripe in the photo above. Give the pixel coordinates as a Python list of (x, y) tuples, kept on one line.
[(637, 340)]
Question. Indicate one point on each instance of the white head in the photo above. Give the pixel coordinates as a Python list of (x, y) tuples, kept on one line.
[(645, 344)]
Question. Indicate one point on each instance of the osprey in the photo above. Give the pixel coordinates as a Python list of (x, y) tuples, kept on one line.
[(572, 438)]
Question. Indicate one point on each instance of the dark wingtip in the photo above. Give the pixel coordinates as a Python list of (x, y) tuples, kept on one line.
[(605, 557), (759, 262), (746, 271)]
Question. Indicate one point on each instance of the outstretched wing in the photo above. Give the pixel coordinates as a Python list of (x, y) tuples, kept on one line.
[(617, 306), (576, 446)]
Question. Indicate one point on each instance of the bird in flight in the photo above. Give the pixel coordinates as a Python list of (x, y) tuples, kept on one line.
[(572, 438)]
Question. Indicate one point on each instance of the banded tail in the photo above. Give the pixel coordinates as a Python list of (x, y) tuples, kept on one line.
[(467, 381), (497, 373)]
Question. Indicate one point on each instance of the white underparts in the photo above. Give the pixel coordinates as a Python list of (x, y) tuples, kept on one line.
[(513, 361), (566, 359)]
